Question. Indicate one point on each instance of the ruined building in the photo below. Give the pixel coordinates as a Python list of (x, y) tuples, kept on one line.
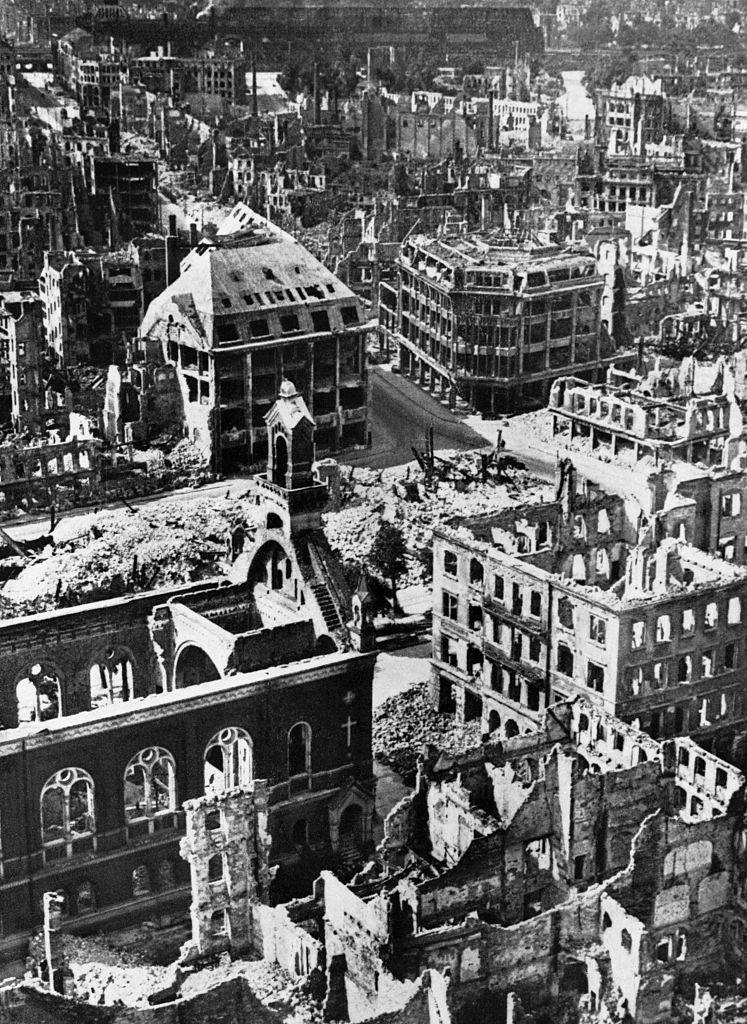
[(585, 596), (190, 690), (250, 307), (691, 438), (495, 321), (659, 414), (585, 867)]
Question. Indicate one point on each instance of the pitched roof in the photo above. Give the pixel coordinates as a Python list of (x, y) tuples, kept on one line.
[(251, 266), (289, 408)]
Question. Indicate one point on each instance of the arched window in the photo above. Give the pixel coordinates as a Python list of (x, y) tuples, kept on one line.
[(111, 677), (150, 785), (228, 760), (141, 881), (67, 811), (299, 749), (166, 875), (86, 898), (38, 695)]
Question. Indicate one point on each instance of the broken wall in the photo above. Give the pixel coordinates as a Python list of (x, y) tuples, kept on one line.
[(227, 846), (360, 984), (279, 938)]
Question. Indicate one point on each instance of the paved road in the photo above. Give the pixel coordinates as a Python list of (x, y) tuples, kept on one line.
[(401, 415)]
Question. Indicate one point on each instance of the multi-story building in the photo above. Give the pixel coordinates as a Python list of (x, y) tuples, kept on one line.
[(249, 308), (660, 415), (90, 298), (126, 190), (631, 115), (93, 74), (218, 76), (65, 287), (159, 72), (192, 689), (570, 597), (22, 332), (496, 320)]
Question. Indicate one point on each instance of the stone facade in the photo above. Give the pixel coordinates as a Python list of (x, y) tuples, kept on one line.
[(585, 596), (227, 847), (118, 711)]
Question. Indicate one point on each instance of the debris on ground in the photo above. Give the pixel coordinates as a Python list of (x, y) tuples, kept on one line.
[(404, 723), (400, 495), (130, 550)]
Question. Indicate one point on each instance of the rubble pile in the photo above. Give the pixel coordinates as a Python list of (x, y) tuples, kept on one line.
[(123, 550), (400, 496), (269, 983), (403, 724), (107, 975), (538, 426)]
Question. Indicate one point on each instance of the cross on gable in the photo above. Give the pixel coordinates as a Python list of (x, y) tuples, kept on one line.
[(349, 727)]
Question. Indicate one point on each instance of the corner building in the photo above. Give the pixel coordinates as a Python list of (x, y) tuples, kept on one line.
[(494, 321), (570, 598), (250, 308)]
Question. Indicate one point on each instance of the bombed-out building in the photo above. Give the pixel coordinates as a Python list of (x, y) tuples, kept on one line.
[(495, 321), (585, 865), (117, 711), (249, 308), (660, 414), (687, 422), (585, 595)]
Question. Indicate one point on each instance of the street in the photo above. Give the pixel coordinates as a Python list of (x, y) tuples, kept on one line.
[(401, 415)]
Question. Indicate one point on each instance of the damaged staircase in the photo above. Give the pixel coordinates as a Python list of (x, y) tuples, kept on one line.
[(310, 554)]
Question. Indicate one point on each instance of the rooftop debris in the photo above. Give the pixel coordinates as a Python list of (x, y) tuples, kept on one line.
[(128, 550)]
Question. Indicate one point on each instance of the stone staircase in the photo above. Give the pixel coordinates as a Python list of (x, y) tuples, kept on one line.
[(326, 605), (311, 564)]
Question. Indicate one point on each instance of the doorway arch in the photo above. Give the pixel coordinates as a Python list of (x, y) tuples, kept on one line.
[(193, 666), (280, 462)]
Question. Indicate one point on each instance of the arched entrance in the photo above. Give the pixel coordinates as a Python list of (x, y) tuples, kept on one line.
[(272, 568), (351, 829), (193, 666), (280, 463)]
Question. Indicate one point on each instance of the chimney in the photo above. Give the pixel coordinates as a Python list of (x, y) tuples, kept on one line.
[(193, 235), (491, 121), (255, 105), (172, 252), (168, 47), (368, 68), (317, 97)]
